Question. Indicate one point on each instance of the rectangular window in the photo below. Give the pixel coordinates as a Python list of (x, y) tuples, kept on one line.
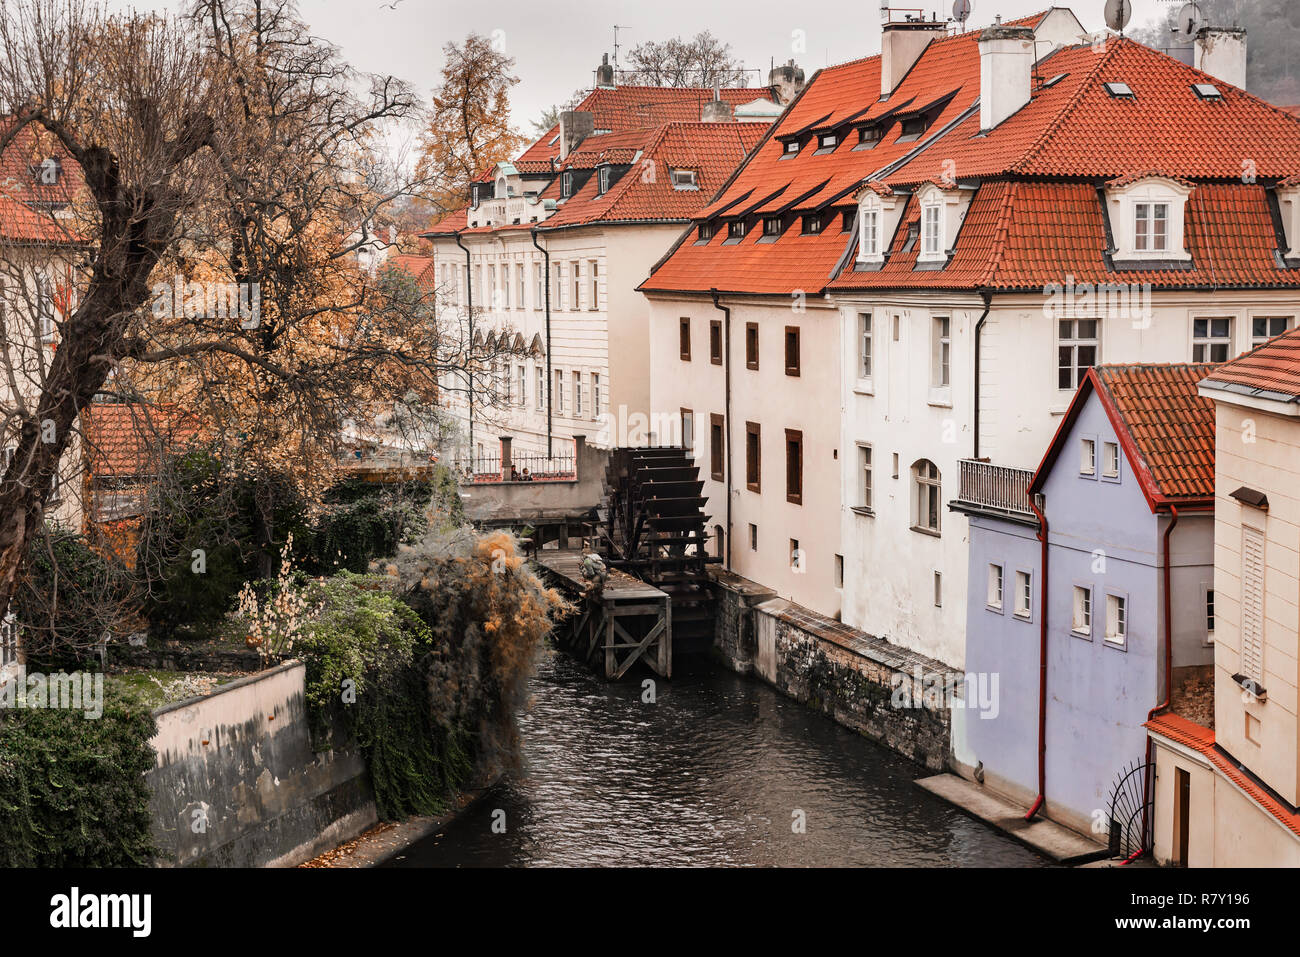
[(1081, 622), (751, 345), (812, 223), (1024, 594), (1151, 227), (575, 279), (505, 286), (577, 393), (796, 555), (791, 350), (1212, 339), (864, 345), (994, 599), (684, 179), (715, 341), (1209, 614), (753, 456), (593, 285), (794, 466), (559, 391), (942, 352), (870, 233), (717, 447), (595, 395), (771, 225), (1087, 457), (539, 286), (557, 287), (928, 495), (1264, 328), (864, 472), (1077, 350), (604, 179), (684, 338), (736, 229), (1252, 603), (1110, 459), (688, 431), (938, 589), (541, 388), (523, 385), (520, 286), (1116, 619), (839, 571), (930, 238), (753, 537)]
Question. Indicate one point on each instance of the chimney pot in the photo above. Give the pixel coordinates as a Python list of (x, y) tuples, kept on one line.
[(605, 74), (575, 126), (901, 45), (786, 81), (1006, 72)]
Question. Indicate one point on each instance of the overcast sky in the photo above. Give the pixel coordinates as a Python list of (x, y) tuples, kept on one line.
[(558, 45)]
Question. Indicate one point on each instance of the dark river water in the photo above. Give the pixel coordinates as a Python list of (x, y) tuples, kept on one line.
[(718, 771)]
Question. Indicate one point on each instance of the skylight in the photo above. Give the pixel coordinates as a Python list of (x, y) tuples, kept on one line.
[(1119, 89), (1055, 80), (1207, 91)]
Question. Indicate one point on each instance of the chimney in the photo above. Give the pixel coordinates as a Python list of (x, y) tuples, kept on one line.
[(575, 126), (901, 45), (717, 110), (786, 81), (1221, 52), (605, 74), (1006, 72)]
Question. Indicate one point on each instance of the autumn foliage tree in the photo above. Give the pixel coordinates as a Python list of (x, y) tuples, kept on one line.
[(469, 121)]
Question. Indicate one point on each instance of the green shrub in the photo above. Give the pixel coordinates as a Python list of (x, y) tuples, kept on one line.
[(72, 789)]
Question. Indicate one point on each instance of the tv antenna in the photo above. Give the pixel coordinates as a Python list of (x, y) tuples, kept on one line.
[(616, 29), (1190, 19), (1118, 14)]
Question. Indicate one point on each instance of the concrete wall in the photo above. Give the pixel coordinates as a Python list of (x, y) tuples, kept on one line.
[(524, 501), (845, 674), (236, 783)]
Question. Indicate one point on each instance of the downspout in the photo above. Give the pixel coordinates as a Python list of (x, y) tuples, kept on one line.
[(1166, 575), (469, 300), (726, 413), (1042, 660), (546, 286), (979, 328)]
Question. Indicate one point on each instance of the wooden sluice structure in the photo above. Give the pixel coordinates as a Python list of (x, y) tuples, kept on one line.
[(626, 622)]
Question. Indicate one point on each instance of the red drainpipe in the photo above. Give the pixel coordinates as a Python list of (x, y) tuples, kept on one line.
[(1042, 661), (1169, 666)]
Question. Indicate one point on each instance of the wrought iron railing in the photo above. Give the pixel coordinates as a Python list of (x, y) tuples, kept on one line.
[(1001, 488), (522, 467)]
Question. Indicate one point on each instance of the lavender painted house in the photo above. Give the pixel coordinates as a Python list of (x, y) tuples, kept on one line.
[(1126, 488)]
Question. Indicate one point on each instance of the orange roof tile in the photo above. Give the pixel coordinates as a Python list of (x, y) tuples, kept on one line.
[(128, 439), (1179, 729), (1270, 370), (27, 205)]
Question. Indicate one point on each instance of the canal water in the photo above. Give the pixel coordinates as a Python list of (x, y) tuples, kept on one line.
[(718, 770)]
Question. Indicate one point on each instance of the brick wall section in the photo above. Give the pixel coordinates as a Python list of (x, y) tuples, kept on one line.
[(844, 673)]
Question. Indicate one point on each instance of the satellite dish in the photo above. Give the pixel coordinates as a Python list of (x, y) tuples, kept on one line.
[(961, 10), (1118, 14), (1190, 19)]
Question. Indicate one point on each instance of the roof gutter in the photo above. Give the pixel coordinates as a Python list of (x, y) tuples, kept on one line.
[(726, 421), (1148, 778), (1042, 659), (469, 301), (546, 285)]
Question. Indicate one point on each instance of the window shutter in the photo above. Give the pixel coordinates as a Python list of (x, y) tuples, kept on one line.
[(1252, 603)]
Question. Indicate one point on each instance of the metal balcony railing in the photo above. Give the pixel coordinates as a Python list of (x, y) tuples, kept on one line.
[(997, 488), (524, 467)]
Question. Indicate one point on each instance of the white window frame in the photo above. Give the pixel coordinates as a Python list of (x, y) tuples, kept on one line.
[(1088, 457), (932, 238), (1081, 611), (865, 333), (926, 487), (1117, 615), (1024, 597), (1256, 340), (1110, 459), (595, 395), (993, 596), (575, 283), (593, 285), (1146, 237), (1150, 192), (941, 353), (1205, 346), (540, 378), (866, 476), (869, 218), (523, 386), (1074, 342), (577, 395)]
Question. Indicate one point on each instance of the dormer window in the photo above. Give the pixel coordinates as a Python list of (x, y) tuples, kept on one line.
[(812, 223), (877, 218), (791, 147), (827, 141), (736, 229), (603, 181), (911, 129), (704, 233), (1151, 227), (869, 136), (869, 234), (1146, 216), (1288, 203), (684, 179), (931, 230), (771, 225), (474, 196), (566, 185)]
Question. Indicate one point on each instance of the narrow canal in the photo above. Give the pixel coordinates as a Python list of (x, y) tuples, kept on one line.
[(717, 771)]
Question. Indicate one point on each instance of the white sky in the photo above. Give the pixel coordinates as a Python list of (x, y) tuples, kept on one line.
[(557, 45)]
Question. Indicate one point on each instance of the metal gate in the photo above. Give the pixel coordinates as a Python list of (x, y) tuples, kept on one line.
[(1131, 804)]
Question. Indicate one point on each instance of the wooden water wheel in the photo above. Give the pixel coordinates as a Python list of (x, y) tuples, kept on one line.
[(655, 528)]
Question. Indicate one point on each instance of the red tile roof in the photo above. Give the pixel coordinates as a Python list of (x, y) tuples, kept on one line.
[(1179, 729), (1164, 426), (1270, 370), (127, 439), (420, 268), (1036, 217), (26, 204)]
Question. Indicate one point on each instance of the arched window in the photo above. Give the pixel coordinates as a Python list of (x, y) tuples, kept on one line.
[(927, 495)]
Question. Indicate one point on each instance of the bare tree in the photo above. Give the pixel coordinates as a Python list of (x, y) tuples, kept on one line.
[(703, 60)]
